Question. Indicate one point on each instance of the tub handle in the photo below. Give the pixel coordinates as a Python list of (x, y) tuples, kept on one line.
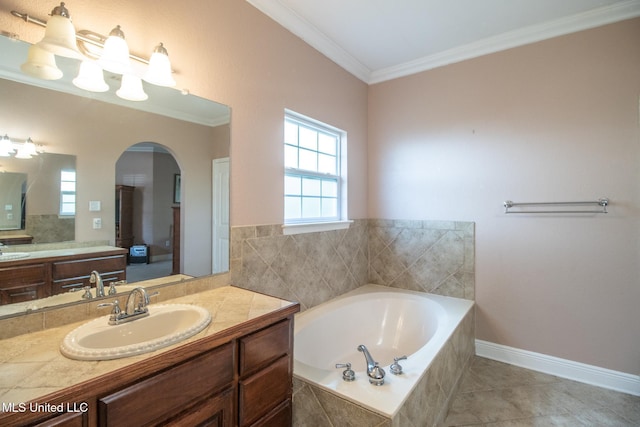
[(347, 374), (395, 368)]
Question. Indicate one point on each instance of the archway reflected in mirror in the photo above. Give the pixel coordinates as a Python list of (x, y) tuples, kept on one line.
[(147, 210)]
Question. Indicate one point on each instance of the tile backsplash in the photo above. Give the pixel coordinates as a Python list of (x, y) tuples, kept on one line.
[(428, 256), (311, 268)]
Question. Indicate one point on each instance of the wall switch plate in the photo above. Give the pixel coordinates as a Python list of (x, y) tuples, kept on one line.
[(97, 223), (9, 216), (94, 206), (8, 207)]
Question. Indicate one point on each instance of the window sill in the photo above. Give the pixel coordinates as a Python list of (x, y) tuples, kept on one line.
[(315, 227)]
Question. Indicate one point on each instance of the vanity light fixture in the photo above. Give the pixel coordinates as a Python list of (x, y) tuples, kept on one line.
[(22, 150), (159, 71), (115, 53), (41, 64), (6, 147), (60, 35), (110, 54), (90, 77), (26, 150)]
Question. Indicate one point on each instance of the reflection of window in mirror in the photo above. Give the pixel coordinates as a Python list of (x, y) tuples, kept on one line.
[(67, 192)]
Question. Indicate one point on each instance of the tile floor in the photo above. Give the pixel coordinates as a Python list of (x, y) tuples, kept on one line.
[(494, 394)]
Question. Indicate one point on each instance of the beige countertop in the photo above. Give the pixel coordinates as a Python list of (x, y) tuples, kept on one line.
[(32, 366), (47, 253)]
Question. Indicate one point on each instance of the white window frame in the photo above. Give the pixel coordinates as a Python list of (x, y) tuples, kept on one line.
[(62, 213), (340, 221)]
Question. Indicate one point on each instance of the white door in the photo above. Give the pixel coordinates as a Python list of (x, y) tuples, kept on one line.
[(220, 241)]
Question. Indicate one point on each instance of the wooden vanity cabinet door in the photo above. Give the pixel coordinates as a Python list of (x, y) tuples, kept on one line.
[(215, 411), (261, 348), (79, 419), (265, 384), (159, 398), (23, 283)]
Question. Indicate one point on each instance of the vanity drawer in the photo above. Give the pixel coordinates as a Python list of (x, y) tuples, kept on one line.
[(107, 265), (32, 274), (260, 348), (169, 392), (263, 391)]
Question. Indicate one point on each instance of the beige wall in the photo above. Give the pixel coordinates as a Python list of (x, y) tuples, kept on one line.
[(552, 121)]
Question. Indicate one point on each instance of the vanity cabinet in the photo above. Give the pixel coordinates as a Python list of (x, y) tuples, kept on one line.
[(42, 276), (75, 273), (186, 389), (241, 376), (23, 283)]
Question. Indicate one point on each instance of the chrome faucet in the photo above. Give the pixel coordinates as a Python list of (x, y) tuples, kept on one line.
[(135, 307), (374, 371), (137, 302), (97, 279)]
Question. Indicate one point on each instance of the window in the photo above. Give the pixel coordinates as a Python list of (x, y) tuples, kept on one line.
[(67, 193), (313, 184)]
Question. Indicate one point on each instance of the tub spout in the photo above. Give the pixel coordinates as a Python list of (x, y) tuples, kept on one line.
[(374, 371)]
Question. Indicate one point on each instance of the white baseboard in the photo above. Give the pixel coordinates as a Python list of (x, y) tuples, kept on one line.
[(589, 374)]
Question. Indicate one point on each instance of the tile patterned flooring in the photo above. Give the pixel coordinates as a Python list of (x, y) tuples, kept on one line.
[(495, 394)]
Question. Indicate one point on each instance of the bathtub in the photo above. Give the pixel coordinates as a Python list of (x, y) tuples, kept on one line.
[(390, 323)]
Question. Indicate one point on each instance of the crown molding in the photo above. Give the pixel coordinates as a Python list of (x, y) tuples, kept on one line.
[(302, 28), (531, 34)]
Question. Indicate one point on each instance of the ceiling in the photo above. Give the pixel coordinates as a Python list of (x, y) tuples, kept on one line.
[(378, 40)]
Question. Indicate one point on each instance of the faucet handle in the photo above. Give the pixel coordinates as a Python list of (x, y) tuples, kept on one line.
[(347, 374), (115, 304), (395, 368), (87, 292)]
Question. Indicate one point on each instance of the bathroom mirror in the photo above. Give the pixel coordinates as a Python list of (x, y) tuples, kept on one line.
[(97, 128), (13, 188), (33, 187)]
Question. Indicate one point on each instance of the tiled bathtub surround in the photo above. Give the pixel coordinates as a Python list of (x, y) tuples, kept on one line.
[(425, 406), (428, 256), (309, 268)]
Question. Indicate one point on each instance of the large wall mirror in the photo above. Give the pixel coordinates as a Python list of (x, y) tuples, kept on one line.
[(90, 133)]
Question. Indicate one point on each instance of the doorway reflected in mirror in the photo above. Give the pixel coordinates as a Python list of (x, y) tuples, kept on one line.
[(144, 209)]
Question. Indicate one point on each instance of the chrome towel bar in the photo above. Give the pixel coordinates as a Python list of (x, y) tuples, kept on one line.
[(539, 207)]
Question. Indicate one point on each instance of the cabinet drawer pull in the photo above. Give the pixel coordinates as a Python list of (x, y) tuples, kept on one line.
[(21, 294)]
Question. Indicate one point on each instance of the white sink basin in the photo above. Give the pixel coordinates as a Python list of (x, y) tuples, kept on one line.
[(9, 256), (166, 325)]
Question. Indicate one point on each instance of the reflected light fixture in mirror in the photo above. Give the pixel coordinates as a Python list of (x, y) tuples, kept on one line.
[(41, 64), (22, 150), (90, 77), (112, 55)]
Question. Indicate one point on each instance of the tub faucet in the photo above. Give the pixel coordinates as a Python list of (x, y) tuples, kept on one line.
[(95, 278), (374, 371)]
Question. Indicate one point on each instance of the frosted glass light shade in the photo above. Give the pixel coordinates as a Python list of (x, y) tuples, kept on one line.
[(41, 64), (6, 146), (115, 54), (159, 71), (90, 77), (131, 88), (60, 38), (26, 150)]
